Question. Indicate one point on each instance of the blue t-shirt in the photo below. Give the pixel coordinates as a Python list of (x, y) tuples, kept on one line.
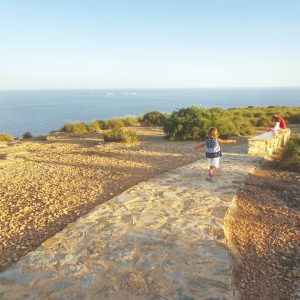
[(212, 148)]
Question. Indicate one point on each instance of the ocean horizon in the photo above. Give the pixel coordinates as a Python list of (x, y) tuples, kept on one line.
[(41, 111)]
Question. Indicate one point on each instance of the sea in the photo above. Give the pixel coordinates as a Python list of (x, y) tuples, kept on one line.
[(42, 111)]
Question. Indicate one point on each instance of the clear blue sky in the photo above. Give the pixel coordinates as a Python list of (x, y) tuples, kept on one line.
[(149, 43)]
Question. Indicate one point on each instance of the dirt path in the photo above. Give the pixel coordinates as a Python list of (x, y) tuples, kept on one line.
[(265, 228)]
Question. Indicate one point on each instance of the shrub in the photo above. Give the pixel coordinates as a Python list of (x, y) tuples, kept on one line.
[(102, 124), (140, 119), (247, 114), (187, 123), (154, 118), (130, 121), (115, 123), (27, 136), (42, 138), (245, 129), (80, 128), (93, 127), (118, 134), (294, 119), (130, 137), (6, 137), (291, 155), (215, 110), (263, 122), (258, 114), (77, 128), (68, 127)]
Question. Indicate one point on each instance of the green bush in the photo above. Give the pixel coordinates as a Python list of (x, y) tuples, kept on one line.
[(187, 123), (140, 119), (118, 134), (294, 119), (291, 154), (263, 122), (6, 137), (27, 136), (259, 115), (247, 114), (153, 118)]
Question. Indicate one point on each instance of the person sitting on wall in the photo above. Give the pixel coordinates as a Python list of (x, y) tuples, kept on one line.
[(280, 120), (279, 123)]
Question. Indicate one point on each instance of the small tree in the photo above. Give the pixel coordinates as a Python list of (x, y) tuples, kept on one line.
[(27, 136), (154, 118), (187, 123)]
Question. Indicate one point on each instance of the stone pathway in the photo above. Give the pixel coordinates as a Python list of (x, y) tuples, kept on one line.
[(161, 239)]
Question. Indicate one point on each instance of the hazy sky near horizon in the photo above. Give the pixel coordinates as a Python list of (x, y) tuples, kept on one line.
[(53, 44)]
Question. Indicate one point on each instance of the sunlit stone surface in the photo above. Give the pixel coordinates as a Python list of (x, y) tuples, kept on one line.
[(161, 239)]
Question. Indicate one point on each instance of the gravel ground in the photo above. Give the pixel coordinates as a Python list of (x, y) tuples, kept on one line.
[(265, 229), (46, 185)]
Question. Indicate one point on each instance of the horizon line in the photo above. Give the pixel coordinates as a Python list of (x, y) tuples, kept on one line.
[(151, 88)]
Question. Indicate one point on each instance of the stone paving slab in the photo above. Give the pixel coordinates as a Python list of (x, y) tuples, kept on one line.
[(161, 239)]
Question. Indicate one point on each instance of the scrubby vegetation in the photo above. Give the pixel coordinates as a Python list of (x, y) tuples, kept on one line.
[(94, 126), (27, 136), (41, 138), (115, 123), (291, 154), (193, 122), (77, 128), (6, 137), (119, 134), (130, 120), (154, 118), (187, 123), (98, 125)]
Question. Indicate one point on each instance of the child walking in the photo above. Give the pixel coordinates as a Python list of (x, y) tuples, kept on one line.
[(213, 150)]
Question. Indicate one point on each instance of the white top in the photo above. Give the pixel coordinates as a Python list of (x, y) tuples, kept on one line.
[(276, 127)]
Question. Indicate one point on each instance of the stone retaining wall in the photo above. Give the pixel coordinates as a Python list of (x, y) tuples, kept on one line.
[(269, 142)]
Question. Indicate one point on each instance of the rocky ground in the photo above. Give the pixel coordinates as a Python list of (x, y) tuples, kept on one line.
[(265, 228), (46, 185), (160, 239)]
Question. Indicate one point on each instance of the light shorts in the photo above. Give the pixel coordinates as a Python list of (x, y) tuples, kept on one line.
[(214, 162)]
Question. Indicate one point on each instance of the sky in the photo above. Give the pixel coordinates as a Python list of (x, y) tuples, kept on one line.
[(74, 44)]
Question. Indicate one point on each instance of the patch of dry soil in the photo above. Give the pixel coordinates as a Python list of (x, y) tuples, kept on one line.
[(265, 229)]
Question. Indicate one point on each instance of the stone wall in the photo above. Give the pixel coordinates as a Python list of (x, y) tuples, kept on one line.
[(269, 142)]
